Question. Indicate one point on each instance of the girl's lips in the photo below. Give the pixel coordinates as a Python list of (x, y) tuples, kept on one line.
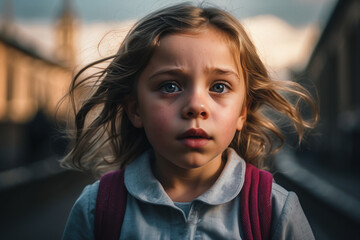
[(194, 133), (194, 138), (194, 142)]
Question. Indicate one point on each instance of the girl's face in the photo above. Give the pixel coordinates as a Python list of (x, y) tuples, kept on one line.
[(190, 100)]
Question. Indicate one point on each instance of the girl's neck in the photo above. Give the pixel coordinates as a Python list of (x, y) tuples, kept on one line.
[(184, 185)]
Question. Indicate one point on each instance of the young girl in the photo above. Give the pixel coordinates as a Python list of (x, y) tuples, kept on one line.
[(181, 107)]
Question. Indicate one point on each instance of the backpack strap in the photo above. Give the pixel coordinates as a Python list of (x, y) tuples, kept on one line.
[(110, 206), (255, 204)]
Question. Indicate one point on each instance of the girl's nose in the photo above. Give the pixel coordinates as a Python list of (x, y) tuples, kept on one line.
[(195, 109)]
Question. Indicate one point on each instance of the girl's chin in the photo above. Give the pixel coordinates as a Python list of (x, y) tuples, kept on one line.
[(188, 160), (195, 163)]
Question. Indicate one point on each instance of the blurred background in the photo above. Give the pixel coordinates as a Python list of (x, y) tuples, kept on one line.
[(44, 42)]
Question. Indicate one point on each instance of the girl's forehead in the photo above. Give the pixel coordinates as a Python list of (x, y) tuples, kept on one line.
[(198, 39), (207, 52), (207, 41)]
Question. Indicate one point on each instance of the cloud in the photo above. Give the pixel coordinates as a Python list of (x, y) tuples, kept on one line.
[(279, 44)]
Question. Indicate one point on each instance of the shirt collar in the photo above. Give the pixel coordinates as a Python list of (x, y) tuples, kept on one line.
[(141, 183)]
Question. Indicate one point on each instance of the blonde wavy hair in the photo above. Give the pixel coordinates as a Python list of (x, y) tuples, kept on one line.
[(104, 138)]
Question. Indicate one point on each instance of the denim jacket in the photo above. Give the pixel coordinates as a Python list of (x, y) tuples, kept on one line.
[(151, 214)]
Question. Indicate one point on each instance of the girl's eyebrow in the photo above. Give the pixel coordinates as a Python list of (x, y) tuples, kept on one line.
[(182, 72), (169, 71), (219, 71)]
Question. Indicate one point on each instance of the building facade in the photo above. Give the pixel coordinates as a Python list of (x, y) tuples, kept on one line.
[(334, 69), (31, 86)]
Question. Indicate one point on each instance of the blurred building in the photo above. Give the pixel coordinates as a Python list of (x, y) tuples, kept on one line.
[(325, 174), (334, 68), (31, 86)]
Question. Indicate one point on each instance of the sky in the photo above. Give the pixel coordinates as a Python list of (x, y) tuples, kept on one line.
[(284, 31), (295, 12)]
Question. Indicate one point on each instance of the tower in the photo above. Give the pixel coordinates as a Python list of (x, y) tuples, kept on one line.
[(7, 17), (65, 35)]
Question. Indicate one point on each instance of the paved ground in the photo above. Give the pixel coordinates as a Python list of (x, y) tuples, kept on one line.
[(320, 216), (39, 210), (330, 200)]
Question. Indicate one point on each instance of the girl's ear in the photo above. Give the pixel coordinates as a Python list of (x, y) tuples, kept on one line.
[(242, 118), (132, 111)]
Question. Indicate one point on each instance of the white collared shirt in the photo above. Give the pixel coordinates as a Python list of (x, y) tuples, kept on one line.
[(151, 214)]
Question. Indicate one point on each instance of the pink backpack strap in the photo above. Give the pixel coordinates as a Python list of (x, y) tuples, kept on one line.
[(255, 204), (110, 206)]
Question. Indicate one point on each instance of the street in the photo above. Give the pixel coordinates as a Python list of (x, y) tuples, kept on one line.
[(39, 210)]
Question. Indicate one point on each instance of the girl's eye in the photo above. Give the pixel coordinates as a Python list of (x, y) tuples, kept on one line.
[(169, 88), (219, 88)]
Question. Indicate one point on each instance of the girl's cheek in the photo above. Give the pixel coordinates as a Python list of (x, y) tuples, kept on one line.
[(160, 116)]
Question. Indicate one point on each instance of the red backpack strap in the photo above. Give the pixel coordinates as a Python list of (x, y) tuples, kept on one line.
[(110, 206), (255, 204)]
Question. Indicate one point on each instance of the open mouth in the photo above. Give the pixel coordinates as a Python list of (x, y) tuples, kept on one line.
[(194, 138), (194, 134)]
